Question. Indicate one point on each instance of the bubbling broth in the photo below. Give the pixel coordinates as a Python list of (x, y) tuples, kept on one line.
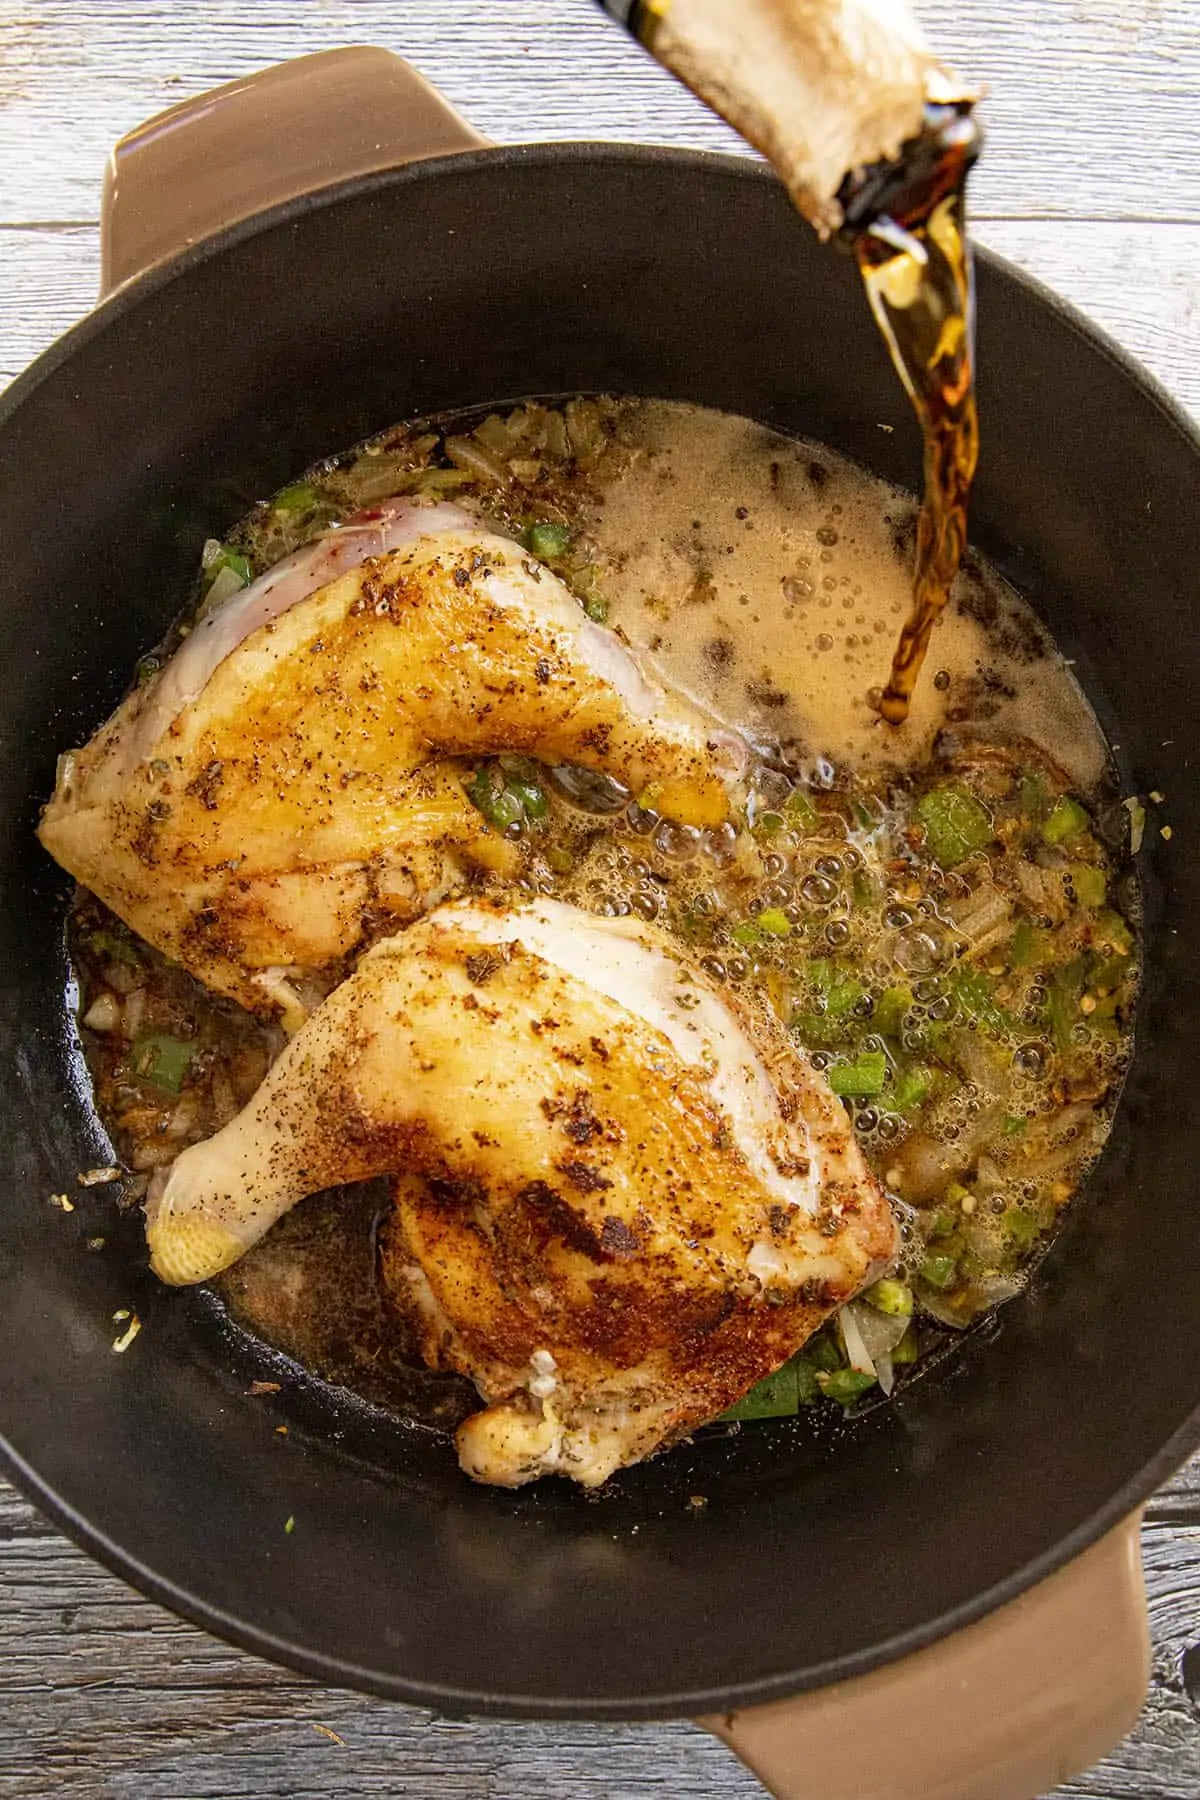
[(768, 576), (937, 911)]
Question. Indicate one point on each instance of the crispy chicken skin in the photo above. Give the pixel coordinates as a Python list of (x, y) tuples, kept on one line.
[(275, 791), (618, 1202)]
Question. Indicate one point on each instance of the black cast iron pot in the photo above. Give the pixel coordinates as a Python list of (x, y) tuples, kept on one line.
[(482, 277)]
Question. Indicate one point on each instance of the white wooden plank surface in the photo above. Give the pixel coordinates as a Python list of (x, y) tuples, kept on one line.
[(1091, 108), (1092, 180)]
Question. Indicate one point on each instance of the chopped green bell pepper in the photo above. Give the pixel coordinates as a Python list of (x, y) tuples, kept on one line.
[(956, 824), (861, 1079), (162, 1060)]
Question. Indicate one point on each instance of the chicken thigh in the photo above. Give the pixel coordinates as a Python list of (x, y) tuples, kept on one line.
[(275, 789), (618, 1202)]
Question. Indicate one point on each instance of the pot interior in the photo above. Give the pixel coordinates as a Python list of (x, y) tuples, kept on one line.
[(729, 1570)]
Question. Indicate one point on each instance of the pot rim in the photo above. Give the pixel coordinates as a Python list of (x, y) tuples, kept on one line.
[(572, 150)]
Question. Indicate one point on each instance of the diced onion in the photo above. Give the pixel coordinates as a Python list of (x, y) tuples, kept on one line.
[(857, 1354), (982, 912), (225, 583), (1033, 884), (393, 475), (868, 1338), (469, 454), (1137, 822), (993, 1290), (65, 772), (122, 1343), (496, 434), (104, 1014), (134, 1012)]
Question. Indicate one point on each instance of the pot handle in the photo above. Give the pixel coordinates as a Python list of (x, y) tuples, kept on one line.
[(1004, 1709), (281, 132)]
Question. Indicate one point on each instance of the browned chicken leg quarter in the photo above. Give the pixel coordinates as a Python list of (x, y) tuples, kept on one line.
[(276, 786), (618, 1202)]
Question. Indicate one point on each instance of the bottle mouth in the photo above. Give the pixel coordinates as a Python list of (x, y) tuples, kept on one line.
[(639, 17), (906, 188)]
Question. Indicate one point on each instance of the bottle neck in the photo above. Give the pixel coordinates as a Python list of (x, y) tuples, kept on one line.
[(842, 96), (908, 187), (637, 16)]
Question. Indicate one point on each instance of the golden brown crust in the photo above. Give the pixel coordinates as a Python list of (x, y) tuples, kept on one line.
[(305, 797)]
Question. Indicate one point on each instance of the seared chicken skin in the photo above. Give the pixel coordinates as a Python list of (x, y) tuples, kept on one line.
[(275, 791), (618, 1204)]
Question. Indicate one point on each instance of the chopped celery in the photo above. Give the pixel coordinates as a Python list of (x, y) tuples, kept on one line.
[(520, 778), (927, 1035), (596, 608), (1066, 820), (1028, 946), (891, 1297), (823, 1351), (817, 1031), (776, 1396), (1035, 797), (1090, 886), (840, 992), (768, 824), (498, 804), (533, 801), (161, 1060), (890, 1008), (300, 498), (508, 794), (696, 927), (546, 540), (911, 1086), (943, 1224), (1062, 1003), (844, 1385), (774, 921), (802, 814), (115, 945), (747, 934), (907, 1350), (860, 1079), (780, 1394), (1106, 973), (956, 825), (439, 481), (866, 888), (1110, 929), (975, 994), (806, 1379), (1019, 1227), (1103, 1019), (1014, 1124), (940, 1271)]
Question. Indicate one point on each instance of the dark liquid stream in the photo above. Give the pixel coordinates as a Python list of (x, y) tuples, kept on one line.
[(904, 218), (920, 282)]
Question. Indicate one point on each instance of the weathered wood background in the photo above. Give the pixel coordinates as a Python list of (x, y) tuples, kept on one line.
[(1092, 180)]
